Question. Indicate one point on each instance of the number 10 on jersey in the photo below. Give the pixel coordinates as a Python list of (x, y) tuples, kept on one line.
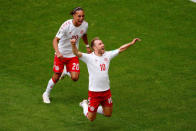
[(102, 66)]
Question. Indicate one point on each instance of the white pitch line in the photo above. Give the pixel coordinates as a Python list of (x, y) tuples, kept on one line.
[(193, 1)]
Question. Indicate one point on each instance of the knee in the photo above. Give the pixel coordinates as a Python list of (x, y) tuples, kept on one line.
[(56, 77), (74, 78), (91, 118)]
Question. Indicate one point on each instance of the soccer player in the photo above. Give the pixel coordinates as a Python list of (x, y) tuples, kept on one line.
[(71, 29), (98, 65)]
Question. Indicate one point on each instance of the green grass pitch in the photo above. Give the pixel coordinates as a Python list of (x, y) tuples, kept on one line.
[(153, 83)]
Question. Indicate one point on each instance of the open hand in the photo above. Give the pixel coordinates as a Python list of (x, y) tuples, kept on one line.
[(59, 55), (134, 40)]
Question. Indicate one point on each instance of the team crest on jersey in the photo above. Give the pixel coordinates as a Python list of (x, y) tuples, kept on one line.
[(106, 59), (82, 31)]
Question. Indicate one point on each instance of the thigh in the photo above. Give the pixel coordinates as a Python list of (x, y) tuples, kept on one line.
[(73, 65), (107, 103), (92, 105), (107, 110), (107, 99), (93, 102), (58, 65)]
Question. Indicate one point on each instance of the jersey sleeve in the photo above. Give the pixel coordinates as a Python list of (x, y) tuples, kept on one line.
[(85, 57), (86, 28), (113, 53), (62, 31)]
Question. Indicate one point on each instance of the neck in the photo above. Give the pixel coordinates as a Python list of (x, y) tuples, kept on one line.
[(97, 53), (74, 23)]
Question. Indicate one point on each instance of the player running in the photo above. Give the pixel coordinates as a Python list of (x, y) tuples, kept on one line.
[(98, 65), (71, 29)]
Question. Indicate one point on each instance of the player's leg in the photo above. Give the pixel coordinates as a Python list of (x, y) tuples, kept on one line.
[(58, 69), (93, 104), (107, 111), (90, 107), (73, 67), (51, 84), (107, 104), (90, 115), (56, 77), (75, 76)]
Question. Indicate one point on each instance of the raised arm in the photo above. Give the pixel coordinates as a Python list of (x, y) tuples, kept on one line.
[(74, 48), (126, 46), (85, 39)]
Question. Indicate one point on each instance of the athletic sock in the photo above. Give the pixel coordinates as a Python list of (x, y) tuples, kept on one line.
[(68, 74), (85, 108), (100, 110), (51, 84)]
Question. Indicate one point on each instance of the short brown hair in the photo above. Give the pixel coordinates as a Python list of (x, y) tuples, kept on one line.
[(93, 41)]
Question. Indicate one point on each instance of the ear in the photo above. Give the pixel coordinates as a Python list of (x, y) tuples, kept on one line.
[(94, 48)]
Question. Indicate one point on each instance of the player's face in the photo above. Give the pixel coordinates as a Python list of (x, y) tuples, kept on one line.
[(99, 47), (78, 17)]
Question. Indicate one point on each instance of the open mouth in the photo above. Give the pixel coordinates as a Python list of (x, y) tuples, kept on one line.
[(80, 21)]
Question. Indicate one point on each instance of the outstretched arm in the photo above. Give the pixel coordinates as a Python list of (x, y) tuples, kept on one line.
[(74, 48), (126, 46)]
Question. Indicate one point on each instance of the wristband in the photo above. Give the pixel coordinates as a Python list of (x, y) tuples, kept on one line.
[(87, 46)]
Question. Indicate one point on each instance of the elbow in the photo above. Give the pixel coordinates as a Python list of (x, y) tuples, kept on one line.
[(55, 40)]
